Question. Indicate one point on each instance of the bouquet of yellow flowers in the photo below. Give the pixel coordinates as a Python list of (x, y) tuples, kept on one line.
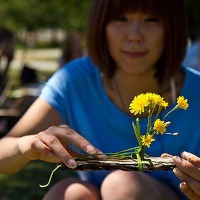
[(149, 103)]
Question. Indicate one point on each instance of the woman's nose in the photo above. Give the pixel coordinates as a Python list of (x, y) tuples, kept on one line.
[(134, 33)]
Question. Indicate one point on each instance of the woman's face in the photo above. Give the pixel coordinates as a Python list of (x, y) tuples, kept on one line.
[(135, 42)]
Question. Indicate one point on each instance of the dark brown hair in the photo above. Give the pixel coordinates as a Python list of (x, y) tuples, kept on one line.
[(71, 47), (171, 12)]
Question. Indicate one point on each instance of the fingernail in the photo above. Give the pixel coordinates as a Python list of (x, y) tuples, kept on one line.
[(177, 160), (178, 172), (101, 155), (186, 155), (175, 170), (183, 185), (90, 149), (72, 164)]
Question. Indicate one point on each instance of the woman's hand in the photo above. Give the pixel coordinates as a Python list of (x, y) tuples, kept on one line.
[(188, 171), (51, 145)]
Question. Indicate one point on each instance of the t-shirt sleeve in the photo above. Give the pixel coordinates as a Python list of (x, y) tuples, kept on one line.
[(55, 90), (69, 89)]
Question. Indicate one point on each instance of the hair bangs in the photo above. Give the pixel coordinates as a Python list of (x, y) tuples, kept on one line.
[(120, 7)]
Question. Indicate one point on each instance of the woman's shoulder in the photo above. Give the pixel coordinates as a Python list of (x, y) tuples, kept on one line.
[(80, 65), (77, 73), (76, 70), (76, 77)]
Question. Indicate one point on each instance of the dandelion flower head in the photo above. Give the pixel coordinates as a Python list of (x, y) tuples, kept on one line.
[(138, 104), (182, 103), (159, 126), (147, 140), (156, 99)]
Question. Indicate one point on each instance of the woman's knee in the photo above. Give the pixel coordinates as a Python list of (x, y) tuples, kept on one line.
[(72, 189), (120, 185), (134, 185)]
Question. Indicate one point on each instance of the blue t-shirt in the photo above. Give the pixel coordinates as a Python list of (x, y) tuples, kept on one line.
[(77, 93), (192, 58)]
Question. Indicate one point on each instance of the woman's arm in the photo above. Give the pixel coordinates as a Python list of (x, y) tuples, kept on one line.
[(27, 141), (188, 171), (38, 117)]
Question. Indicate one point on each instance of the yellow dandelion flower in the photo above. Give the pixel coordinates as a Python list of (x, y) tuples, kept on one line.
[(158, 100), (182, 103), (153, 98), (163, 104), (149, 95), (159, 126), (147, 140), (138, 104)]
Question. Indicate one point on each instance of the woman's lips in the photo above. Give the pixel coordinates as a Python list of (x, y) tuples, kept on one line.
[(134, 54)]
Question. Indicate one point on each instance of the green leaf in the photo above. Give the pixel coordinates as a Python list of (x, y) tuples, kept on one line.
[(137, 132), (139, 162)]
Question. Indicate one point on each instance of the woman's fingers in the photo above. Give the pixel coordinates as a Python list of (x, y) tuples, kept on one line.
[(188, 172), (55, 142), (52, 145), (187, 167), (58, 149), (188, 191), (66, 134), (32, 148), (42, 148), (195, 160), (192, 183), (164, 155)]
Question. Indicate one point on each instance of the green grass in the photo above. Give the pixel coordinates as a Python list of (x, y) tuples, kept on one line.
[(25, 184)]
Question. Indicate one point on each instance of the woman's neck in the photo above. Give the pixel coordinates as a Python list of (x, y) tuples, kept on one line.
[(136, 84), (123, 87)]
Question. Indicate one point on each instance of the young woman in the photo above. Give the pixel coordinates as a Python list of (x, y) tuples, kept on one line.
[(135, 46)]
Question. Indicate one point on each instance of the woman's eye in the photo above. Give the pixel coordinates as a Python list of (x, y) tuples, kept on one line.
[(121, 19), (152, 19)]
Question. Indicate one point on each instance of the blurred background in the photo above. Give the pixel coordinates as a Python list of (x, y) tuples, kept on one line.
[(36, 38)]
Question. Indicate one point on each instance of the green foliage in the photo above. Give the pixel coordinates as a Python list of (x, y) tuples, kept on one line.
[(65, 14), (35, 14)]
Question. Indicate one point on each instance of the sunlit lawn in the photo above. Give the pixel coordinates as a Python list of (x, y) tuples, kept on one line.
[(25, 184)]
